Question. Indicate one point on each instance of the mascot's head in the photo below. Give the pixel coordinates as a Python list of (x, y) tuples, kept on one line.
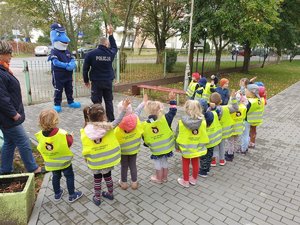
[(58, 37)]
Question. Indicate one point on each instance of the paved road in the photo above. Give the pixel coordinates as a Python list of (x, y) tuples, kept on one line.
[(260, 188)]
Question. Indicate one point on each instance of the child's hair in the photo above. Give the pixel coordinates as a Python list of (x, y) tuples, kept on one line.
[(154, 108), (215, 98), (94, 113), (48, 119), (193, 109), (245, 81)]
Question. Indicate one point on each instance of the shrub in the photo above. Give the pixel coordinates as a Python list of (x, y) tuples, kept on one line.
[(171, 60), (123, 61)]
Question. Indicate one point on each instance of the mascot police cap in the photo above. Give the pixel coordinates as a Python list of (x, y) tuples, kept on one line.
[(57, 27)]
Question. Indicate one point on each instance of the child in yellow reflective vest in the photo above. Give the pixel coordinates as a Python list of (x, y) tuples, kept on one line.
[(54, 145), (193, 86), (101, 149), (254, 114), (191, 140), (226, 121), (129, 133), (159, 137)]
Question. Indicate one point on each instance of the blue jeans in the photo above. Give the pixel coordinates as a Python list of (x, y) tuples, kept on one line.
[(16, 137), (245, 138), (69, 174)]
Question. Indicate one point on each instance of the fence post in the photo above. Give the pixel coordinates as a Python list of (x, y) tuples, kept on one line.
[(118, 67), (27, 82), (77, 69), (165, 64)]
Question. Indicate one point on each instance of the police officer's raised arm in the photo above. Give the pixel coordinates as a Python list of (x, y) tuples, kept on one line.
[(113, 45)]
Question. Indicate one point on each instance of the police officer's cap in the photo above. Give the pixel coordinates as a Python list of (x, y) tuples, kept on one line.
[(58, 27)]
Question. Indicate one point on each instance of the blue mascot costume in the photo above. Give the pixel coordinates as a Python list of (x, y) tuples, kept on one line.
[(62, 66)]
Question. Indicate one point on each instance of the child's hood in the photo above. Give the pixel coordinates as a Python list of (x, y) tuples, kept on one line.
[(128, 122), (191, 123), (97, 130)]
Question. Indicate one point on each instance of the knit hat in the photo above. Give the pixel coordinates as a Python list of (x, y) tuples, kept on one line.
[(5, 48), (253, 88), (128, 122), (120, 108), (223, 81), (196, 75), (202, 82), (260, 84)]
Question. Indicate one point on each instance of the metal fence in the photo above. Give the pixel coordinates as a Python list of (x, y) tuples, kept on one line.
[(129, 69)]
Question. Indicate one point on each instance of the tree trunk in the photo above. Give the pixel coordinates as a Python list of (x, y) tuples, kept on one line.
[(159, 56), (264, 61), (73, 37), (247, 53), (218, 59), (128, 14), (279, 53), (142, 45)]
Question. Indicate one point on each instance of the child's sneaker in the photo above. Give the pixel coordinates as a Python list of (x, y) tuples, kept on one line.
[(203, 173), (123, 185), (75, 196), (155, 180), (222, 162), (192, 180), (251, 145), (134, 185), (58, 196), (183, 183), (96, 200), (244, 153), (213, 162), (107, 195)]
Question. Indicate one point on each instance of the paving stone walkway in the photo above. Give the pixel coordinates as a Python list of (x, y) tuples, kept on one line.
[(262, 187)]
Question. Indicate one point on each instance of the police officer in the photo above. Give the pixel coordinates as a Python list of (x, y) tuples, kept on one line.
[(98, 69)]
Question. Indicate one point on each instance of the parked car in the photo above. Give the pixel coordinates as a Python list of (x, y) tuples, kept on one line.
[(41, 51), (82, 52)]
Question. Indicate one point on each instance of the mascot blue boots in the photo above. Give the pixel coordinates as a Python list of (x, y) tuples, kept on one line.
[(62, 66)]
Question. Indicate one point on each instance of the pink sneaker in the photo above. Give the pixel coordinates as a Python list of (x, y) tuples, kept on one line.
[(154, 179), (213, 162), (192, 180), (222, 162), (183, 183)]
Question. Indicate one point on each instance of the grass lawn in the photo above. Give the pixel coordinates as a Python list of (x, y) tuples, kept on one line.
[(276, 78)]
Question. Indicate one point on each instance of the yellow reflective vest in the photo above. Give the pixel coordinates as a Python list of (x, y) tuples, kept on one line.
[(102, 153), (158, 136), (256, 111), (191, 89), (206, 93), (238, 118), (192, 142), (199, 96), (226, 122), (129, 142), (214, 132), (54, 150)]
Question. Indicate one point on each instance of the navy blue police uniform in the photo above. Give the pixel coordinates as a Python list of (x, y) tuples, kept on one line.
[(61, 78), (98, 69)]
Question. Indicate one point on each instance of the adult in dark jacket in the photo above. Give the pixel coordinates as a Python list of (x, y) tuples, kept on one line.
[(98, 69), (12, 116)]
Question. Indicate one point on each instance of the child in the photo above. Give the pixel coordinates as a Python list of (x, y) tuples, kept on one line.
[(159, 137), (226, 122), (191, 138), (223, 91), (237, 128), (210, 87), (101, 149), (54, 145), (200, 90), (129, 133), (193, 86), (255, 110)]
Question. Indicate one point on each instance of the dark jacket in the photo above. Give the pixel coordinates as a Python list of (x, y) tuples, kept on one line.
[(62, 56), (10, 100), (225, 95), (98, 63)]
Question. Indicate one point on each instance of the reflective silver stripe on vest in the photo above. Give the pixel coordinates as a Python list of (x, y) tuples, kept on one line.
[(57, 164), (159, 143), (211, 136), (194, 146), (64, 158), (211, 143), (103, 154), (255, 113), (103, 162), (130, 149), (170, 145), (205, 96), (130, 143)]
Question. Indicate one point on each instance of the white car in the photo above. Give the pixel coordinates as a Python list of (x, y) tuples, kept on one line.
[(41, 51)]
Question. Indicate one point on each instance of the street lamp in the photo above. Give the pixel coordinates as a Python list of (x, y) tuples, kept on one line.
[(204, 50), (187, 68)]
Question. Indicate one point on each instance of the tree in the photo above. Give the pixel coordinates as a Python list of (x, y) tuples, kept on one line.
[(158, 23)]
